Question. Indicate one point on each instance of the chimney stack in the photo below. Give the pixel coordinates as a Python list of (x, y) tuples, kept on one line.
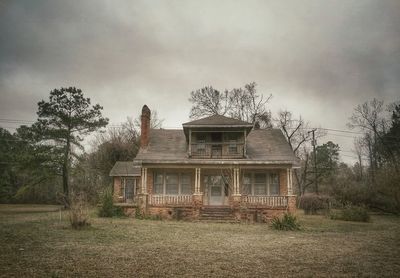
[(145, 126)]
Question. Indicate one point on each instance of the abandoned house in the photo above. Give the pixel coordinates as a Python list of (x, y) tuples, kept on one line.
[(213, 168)]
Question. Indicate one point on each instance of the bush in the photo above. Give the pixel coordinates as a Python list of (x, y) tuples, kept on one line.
[(288, 222), (312, 203), (107, 208), (352, 213), (78, 211)]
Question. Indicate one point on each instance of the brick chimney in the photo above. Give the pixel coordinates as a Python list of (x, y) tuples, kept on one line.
[(145, 126)]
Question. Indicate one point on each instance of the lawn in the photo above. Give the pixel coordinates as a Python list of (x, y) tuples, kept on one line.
[(35, 243)]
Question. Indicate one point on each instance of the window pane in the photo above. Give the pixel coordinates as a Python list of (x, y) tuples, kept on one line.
[(185, 178), (246, 188), (260, 189), (158, 184), (232, 147), (171, 184), (158, 189), (186, 187), (158, 179), (274, 184), (260, 178), (260, 184), (171, 189), (129, 188), (171, 179)]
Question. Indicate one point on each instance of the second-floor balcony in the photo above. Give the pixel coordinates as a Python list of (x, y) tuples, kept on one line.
[(217, 150)]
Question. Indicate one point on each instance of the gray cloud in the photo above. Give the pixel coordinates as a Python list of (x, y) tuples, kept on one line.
[(318, 58)]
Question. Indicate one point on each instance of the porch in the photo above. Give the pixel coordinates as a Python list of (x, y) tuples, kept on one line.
[(247, 201), (167, 192)]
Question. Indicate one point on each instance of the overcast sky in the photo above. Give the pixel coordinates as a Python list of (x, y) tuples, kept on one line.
[(317, 58)]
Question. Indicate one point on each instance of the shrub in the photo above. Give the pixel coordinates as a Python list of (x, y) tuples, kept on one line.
[(352, 213), (312, 203), (78, 211), (288, 222), (107, 208)]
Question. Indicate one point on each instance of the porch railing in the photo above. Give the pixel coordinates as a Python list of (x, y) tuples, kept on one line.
[(156, 200), (270, 201), (217, 150)]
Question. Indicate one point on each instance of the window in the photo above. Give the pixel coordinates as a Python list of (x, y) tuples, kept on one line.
[(129, 188), (232, 139), (260, 184), (186, 187), (274, 184), (158, 184), (171, 184), (246, 184), (201, 144), (232, 147)]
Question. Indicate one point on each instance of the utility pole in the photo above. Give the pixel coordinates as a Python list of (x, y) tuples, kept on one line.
[(314, 143)]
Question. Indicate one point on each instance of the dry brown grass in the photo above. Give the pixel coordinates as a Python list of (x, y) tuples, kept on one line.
[(34, 243)]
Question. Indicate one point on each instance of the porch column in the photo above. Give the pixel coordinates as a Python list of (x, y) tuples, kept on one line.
[(143, 197), (236, 196), (198, 195), (197, 182), (289, 181), (144, 181), (236, 182)]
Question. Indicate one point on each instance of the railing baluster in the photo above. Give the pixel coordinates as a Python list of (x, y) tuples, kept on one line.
[(272, 201)]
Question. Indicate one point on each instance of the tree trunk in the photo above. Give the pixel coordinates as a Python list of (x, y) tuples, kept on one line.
[(65, 171)]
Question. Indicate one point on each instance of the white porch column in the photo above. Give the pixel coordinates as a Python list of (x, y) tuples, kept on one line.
[(144, 180), (290, 181), (236, 182), (197, 181)]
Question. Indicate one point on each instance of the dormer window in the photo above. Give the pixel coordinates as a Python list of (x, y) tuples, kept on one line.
[(217, 137), (201, 143)]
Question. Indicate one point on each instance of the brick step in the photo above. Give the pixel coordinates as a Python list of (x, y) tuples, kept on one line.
[(215, 214), (218, 219), (216, 211)]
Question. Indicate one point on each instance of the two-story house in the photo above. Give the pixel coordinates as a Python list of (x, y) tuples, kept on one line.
[(214, 168)]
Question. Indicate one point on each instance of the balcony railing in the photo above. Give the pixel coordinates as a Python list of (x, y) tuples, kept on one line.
[(269, 201), (157, 200), (217, 150)]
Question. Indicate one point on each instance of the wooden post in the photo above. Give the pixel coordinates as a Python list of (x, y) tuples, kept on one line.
[(190, 142), (144, 180), (245, 144), (197, 181)]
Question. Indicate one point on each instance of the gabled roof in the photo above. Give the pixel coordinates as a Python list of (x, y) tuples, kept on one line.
[(217, 120), (125, 169), (264, 146)]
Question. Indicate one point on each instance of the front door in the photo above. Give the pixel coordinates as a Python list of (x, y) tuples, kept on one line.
[(216, 190)]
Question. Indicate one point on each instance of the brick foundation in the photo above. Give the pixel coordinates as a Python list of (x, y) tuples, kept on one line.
[(173, 213)]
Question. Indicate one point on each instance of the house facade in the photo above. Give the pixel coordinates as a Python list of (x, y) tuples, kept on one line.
[(213, 168)]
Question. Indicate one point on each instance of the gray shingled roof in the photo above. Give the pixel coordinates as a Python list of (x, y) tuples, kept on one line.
[(263, 147), (125, 169), (217, 120)]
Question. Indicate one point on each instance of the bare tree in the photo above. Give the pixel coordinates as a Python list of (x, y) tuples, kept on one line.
[(297, 134), (359, 147), (207, 101), (245, 104)]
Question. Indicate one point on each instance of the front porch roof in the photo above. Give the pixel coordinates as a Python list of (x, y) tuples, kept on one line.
[(125, 169)]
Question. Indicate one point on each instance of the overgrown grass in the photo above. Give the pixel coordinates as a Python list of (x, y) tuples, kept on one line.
[(288, 222), (351, 213), (35, 243)]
